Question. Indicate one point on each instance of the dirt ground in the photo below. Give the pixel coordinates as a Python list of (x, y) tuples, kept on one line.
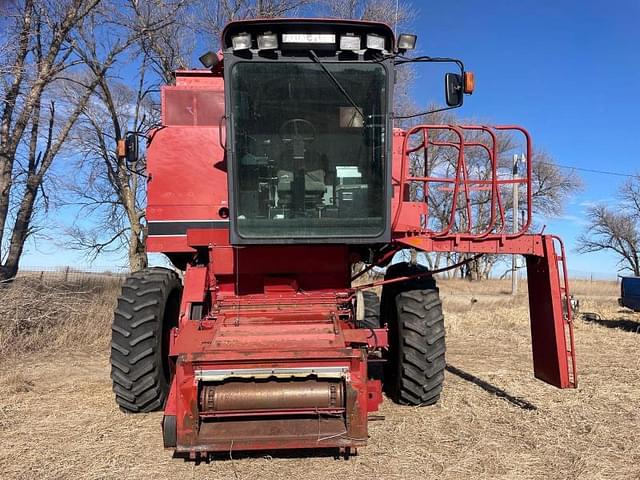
[(58, 418)]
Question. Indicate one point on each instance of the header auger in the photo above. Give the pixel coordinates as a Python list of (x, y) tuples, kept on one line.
[(276, 169)]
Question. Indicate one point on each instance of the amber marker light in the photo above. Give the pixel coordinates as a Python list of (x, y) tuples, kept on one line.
[(121, 149), (469, 82)]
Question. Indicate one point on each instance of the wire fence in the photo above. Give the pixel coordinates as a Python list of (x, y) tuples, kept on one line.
[(102, 274), (82, 277), (595, 276)]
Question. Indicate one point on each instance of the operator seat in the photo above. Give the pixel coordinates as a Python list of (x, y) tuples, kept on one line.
[(313, 181), (314, 167)]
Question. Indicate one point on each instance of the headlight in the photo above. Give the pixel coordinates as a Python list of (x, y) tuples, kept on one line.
[(349, 42), (267, 41), (375, 42), (241, 41), (407, 41)]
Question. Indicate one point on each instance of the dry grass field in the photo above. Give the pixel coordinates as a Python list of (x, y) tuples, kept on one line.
[(58, 418)]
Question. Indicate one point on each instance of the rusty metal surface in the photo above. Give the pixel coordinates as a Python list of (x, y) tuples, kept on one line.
[(272, 395), (314, 432)]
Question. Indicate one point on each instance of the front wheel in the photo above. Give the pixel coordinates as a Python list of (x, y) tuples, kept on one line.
[(147, 309), (414, 372)]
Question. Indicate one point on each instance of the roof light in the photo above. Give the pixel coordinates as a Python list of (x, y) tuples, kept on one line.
[(209, 59), (349, 42), (308, 38), (241, 41), (267, 41), (375, 42), (407, 41)]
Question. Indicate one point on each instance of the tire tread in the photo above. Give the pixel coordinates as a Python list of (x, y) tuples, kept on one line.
[(416, 358), (137, 368)]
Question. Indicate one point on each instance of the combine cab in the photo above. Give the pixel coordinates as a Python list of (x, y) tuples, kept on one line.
[(276, 170)]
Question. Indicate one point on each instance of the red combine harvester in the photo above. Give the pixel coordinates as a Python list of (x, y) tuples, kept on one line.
[(276, 170)]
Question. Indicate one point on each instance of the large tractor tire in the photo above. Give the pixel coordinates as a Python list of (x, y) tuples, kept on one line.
[(147, 309), (414, 372)]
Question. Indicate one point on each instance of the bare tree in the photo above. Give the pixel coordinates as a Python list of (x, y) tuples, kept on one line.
[(213, 16), (388, 11), (167, 49), (616, 230), (107, 189), (41, 33), (551, 185), (65, 50)]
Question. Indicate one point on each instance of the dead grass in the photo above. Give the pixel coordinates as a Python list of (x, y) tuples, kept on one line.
[(502, 287), (58, 418), (37, 315)]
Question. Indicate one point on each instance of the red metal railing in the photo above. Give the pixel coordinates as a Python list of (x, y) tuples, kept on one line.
[(421, 148)]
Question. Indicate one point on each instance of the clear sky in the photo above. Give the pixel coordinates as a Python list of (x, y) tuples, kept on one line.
[(567, 70)]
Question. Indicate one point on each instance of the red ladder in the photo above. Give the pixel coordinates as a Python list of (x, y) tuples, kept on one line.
[(567, 308)]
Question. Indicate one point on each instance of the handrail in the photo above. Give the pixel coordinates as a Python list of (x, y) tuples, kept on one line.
[(462, 181)]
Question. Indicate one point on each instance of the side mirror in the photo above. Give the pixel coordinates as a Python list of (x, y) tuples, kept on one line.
[(453, 89), (456, 86), (128, 148), (131, 147)]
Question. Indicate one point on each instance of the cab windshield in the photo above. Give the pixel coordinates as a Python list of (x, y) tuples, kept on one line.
[(308, 162)]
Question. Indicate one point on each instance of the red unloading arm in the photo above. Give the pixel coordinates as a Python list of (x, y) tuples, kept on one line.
[(552, 338), (465, 231)]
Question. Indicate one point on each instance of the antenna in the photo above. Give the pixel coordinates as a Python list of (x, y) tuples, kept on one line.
[(395, 25)]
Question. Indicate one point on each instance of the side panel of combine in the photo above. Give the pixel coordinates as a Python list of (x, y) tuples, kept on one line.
[(187, 177)]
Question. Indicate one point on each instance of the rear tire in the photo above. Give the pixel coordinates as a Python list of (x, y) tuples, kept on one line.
[(147, 309), (371, 310), (414, 372)]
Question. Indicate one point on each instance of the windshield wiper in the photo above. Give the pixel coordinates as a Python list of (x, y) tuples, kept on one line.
[(316, 59)]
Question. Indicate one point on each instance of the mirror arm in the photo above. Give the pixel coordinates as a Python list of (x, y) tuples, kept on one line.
[(425, 59), (428, 112), (136, 133), (404, 60)]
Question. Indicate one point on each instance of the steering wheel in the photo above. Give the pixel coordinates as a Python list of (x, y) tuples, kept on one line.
[(297, 129)]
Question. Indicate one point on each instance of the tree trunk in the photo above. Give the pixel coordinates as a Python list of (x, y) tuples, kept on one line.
[(137, 255), (20, 230), (5, 189)]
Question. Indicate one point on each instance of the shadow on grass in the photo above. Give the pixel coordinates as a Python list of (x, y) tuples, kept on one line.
[(617, 323), (492, 389)]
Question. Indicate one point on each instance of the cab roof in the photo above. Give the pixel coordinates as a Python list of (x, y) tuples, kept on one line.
[(307, 25)]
